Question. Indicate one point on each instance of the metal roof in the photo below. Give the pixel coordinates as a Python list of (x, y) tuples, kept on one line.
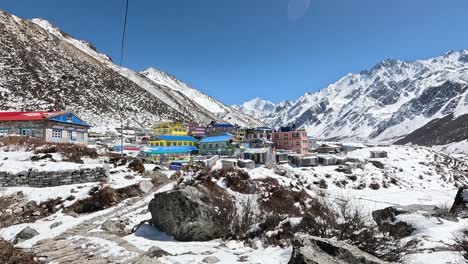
[(176, 138), (256, 150), (222, 138), (28, 116), (169, 150)]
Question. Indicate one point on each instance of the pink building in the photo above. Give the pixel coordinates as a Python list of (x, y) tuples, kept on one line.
[(291, 140)]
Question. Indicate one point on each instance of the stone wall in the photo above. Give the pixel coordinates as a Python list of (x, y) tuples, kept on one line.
[(35, 178)]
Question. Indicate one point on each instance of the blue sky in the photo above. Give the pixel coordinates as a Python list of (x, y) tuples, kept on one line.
[(238, 50)]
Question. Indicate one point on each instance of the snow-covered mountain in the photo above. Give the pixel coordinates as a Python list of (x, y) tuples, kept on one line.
[(221, 110), (256, 107), (384, 103), (42, 67)]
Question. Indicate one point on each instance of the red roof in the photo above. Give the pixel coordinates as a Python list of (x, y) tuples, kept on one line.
[(28, 116)]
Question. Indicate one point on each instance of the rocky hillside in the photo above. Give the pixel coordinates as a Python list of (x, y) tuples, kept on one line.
[(42, 67), (385, 103), (445, 132), (229, 114)]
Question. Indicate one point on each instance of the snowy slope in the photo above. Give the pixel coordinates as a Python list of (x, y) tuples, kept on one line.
[(221, 110), (384, 103), (42, 67), (256, 107)]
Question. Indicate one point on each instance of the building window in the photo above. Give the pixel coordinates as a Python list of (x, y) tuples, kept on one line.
[(69, 118), (69, 135), (3, 132), (179, 143), (185, 143), (56, 133), (27, 132)]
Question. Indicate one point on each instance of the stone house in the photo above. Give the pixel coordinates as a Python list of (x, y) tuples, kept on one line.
[(51, 126)]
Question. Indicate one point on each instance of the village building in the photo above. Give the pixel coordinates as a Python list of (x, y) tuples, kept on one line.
[(305, 160), (289, 139), (214, 129), (327, 160), (170, 128), (169, 140), (312, 144), (223, 145), (260, 155), (241, 132), (377, 154), (329, 149), (258, 133), (196, 131), (56, 126), (167, 154), (247, 164)]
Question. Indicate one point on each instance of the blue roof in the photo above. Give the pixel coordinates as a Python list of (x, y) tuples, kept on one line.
[(169, 150), (69, 118), (263, 128), (223, 125), (176, 138), (222, 138)]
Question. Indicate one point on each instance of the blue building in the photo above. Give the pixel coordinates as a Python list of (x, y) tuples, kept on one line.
[(57, 126)]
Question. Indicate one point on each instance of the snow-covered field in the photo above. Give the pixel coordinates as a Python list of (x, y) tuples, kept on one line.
[(421, 176)]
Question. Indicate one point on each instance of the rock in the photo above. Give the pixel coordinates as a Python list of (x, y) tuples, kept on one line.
[(36, 213), (281, 171), (114, 227), (56, 224), (137, 166), (9, 211), (211, 260), (315, 250), (18, 210), (129, 177), (157, 252), (460, 204), (145, 186), (25, 234), (377, 164), (189, 213), (387, 221)]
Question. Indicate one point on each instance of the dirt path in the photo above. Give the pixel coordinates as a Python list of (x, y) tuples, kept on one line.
[(85, 244)]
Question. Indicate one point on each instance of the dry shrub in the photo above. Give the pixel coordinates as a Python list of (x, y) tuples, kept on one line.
[(70, 152), (348, 221), (103, 197), (100, 198), (283, 201), (137, 166), (11, 255), (235, 179), (461, 244)]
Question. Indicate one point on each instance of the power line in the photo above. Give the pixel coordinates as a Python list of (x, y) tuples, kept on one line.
[(122, 44)]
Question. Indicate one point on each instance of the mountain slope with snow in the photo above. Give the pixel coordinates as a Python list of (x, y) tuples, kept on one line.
[(42, 67), (384, 103), (221, 110), (256, 107)]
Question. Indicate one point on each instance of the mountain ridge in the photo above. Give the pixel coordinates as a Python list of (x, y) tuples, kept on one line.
[(384, 103), (43, 67)]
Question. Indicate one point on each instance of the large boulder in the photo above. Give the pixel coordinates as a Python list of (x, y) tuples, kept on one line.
[(315, 250), (190, 213), (460, 204), (387, 221)]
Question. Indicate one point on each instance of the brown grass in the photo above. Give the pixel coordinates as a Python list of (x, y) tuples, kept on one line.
[(11, 255), (103, 197), (70, 152)]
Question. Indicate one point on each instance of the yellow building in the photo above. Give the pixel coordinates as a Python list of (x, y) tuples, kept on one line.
[(170, 128), (173, 141)]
